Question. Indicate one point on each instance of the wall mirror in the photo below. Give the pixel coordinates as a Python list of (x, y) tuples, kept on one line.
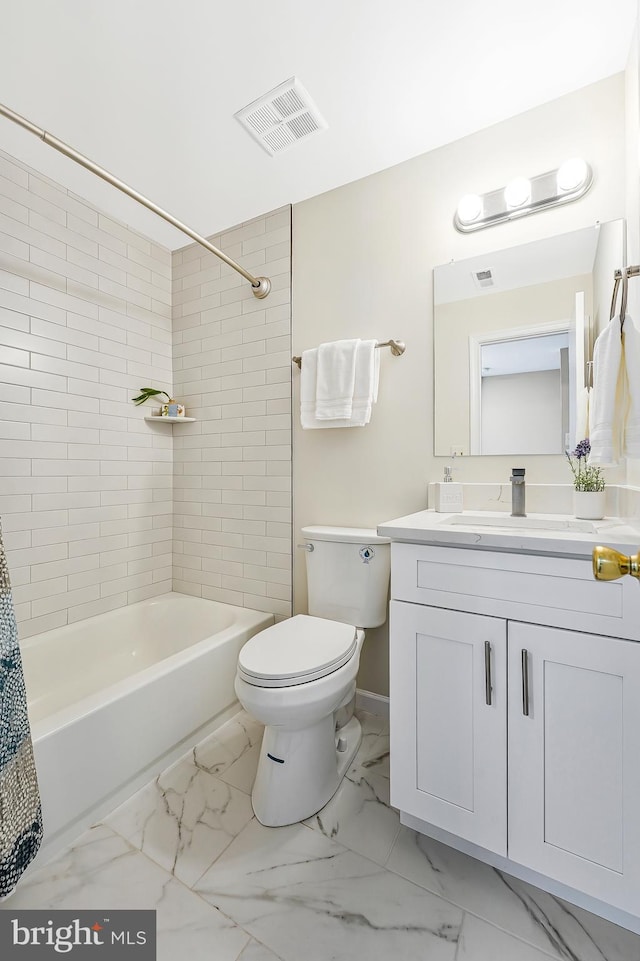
[(513, 331)]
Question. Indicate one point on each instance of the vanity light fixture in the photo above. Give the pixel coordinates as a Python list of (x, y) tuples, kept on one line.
[(572, 174), (517, 193), (469, 208), (524, 196)]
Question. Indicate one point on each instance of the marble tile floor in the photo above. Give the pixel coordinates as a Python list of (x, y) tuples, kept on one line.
[(349, 883)]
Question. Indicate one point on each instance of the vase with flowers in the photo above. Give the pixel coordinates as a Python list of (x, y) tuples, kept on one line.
[(588, 483)]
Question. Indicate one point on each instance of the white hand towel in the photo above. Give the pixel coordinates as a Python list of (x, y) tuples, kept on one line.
[(631, 347), (308, 374), (336, 379), (308, 371), (365, 388), (604, 412), (582, 415)]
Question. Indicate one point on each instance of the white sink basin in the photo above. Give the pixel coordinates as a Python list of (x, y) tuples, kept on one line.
[(505, 521)]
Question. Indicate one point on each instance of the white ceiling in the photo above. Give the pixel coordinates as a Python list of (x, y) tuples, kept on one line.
[(540, 262), (522, 356), (148, 88)]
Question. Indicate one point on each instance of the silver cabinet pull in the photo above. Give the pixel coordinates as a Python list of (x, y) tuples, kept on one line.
[(487, 672), (525, 682)]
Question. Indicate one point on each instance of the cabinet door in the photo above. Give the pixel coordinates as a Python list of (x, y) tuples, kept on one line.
[(448, 721), (574, 760)]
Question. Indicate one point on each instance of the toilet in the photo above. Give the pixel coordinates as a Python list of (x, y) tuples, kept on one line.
[(299, 677)]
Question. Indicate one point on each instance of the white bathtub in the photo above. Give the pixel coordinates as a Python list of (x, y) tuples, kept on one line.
[(114, 698)]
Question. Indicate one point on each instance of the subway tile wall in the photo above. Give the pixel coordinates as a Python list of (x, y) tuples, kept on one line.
[(85, 482), (232, 468)]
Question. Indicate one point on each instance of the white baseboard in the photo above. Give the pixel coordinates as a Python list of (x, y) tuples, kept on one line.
[(376, 704)]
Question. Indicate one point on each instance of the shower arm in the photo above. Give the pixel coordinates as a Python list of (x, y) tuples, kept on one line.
[(260, 285)]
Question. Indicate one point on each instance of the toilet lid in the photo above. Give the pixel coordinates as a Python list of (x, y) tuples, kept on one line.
[(299, 649)]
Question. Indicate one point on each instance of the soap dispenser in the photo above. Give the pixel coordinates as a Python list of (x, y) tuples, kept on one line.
[(448, 494)]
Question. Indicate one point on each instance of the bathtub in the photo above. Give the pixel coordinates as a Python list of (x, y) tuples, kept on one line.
[(115, 698)]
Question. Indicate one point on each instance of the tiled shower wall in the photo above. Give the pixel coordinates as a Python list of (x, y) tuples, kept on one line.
[(232, 367), (85, 483)]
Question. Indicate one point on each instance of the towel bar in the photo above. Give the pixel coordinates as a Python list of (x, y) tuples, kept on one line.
[(624, 276), (398, 348)]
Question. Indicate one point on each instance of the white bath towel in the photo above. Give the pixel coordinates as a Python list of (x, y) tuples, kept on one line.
[(308, 377), (365, 388), (582, 415), (336, 379), (605, 414), (308, 371), (631, 348)]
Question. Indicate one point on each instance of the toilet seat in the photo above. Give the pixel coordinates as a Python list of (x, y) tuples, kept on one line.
[(296, 651)]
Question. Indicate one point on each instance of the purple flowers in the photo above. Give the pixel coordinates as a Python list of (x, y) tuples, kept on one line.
[(586, 477), (583, 449)]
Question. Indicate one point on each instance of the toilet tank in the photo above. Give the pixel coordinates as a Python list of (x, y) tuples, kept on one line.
[(348, 574)]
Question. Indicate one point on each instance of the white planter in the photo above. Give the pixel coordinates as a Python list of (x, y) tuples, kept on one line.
[(589, 505)]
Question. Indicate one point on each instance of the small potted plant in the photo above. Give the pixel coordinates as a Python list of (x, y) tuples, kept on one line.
[(588, 482), (170, 409)]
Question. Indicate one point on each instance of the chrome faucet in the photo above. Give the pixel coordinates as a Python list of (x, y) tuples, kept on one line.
[(517, 492)]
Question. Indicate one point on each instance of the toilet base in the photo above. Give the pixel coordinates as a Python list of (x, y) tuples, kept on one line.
[(299, 771)]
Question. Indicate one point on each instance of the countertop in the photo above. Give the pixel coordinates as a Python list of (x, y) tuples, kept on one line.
[(575, 537)]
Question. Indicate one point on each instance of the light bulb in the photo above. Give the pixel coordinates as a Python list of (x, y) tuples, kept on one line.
[(572, 174), (469, 208), (517, 193)]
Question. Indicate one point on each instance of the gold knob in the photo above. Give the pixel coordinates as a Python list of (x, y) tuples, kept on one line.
[(609, 564)]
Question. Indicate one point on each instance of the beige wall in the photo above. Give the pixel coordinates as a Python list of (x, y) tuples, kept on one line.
[(632, 180), (632, 100), (363, 257)]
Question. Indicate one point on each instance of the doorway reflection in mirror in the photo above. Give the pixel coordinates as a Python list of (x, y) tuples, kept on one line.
[(530, 314)]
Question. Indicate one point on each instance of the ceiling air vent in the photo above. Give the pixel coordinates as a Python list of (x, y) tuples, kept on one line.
[(483, 278), (282, 117)]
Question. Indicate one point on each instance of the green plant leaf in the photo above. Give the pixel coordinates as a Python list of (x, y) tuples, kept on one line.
[(146, 393)]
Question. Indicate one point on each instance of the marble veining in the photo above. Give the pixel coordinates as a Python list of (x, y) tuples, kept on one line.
[(359, 815), (255, 951), (101, 870), (277, 885), (548, 923), (480, 941), (351, 883), (232, 753), (184, 819)]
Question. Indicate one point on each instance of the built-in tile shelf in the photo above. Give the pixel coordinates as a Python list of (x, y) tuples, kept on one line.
[(158, 419)]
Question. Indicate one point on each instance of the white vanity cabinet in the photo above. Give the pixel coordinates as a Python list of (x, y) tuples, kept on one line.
[(574, 760), (449, 746), (515, 713)]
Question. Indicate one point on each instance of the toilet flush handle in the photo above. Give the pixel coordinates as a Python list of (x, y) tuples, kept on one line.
[(305, 547)]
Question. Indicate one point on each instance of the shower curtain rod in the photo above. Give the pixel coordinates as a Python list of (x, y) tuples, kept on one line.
[(260, 285)]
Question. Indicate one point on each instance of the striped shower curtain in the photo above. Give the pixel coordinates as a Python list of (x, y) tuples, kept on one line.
[(20, 813)]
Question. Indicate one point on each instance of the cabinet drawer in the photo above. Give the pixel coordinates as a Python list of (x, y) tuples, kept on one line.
[(558, 591)]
